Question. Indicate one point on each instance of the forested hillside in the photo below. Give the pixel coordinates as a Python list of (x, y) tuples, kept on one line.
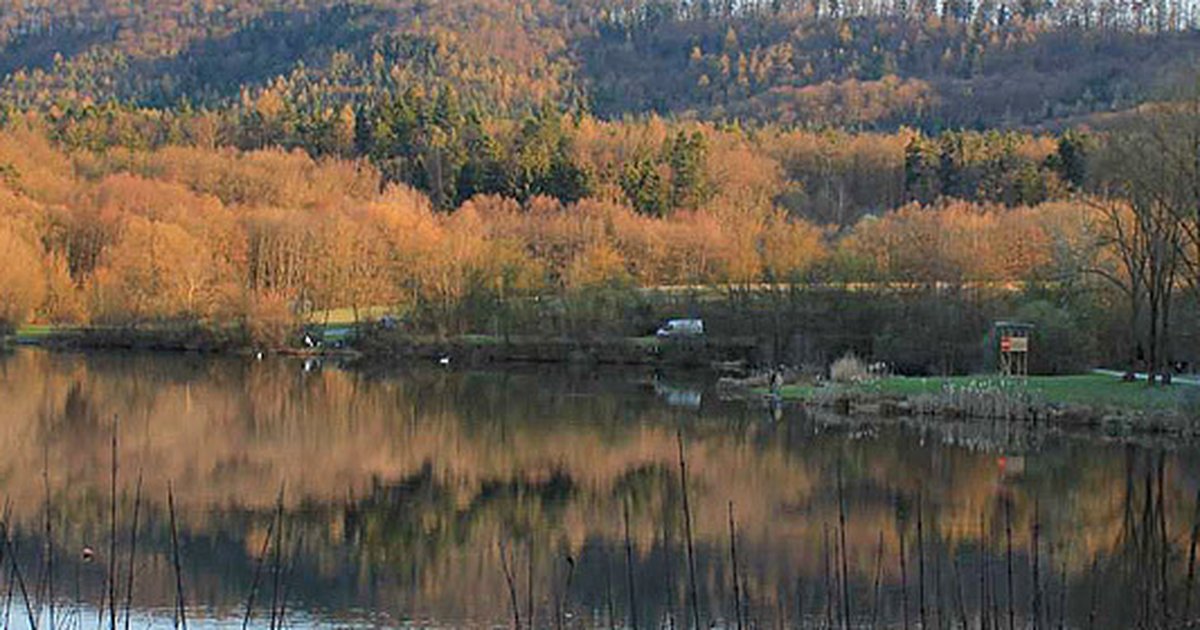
[(196, 163), (810, 62)]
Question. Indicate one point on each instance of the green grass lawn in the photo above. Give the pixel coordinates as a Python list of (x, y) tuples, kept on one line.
[(648, 341), (339, 317), (1095, 390), (34, 332), (481, 340)]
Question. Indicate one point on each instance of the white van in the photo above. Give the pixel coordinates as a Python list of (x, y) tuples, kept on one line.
[(681, 328)]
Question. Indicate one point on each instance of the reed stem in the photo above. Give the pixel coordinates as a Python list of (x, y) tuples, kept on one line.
[(180, 598), (1037, 581), (633, 611), (984, 568), (277, 567), (668, 576), (829, 594), (1092, 610), (1012, 614), (112, 543), (875, 589), (687, 522), (610, 605), (959, 598), (262, 559), (842, 537), (559, 617), (133, 537), (921, 560), (1191, 571), (903, 579), (49, 535), (11, 552), (737, 591), (1062, 595), (287, 582), (512, 587), (530, 590)]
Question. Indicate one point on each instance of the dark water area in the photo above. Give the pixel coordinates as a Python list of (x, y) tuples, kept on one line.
[(429, 497)]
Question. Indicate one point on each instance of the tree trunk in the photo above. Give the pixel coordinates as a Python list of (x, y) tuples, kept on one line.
[(1135, 342), (1152, 364), (1165, 357)]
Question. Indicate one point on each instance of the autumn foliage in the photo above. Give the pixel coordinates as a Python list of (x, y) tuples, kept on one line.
[(267, 238)]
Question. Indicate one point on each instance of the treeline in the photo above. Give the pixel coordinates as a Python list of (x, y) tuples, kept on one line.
[(264, 238), (816, 63), (451, 152), (879, 65)]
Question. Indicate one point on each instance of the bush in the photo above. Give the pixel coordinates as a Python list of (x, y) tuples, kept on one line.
[(1061, 342), (269, 320), (848, 370)]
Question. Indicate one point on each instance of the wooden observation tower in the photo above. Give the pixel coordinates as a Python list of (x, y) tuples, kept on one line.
[(1013, 339)]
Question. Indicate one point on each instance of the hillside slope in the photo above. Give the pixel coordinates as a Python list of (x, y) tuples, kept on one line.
[(812, 63)]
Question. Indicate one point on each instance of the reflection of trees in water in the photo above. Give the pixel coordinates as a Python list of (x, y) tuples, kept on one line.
[(401, 489)]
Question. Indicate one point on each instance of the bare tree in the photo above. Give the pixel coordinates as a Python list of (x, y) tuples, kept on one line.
[(1149, 207)]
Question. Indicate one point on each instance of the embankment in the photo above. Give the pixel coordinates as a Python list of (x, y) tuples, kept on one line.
[(1077, 402), (386, 346), (478, 350)]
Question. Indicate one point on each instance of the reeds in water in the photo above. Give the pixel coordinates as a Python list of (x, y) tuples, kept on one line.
[(16, 575), (261, 561)]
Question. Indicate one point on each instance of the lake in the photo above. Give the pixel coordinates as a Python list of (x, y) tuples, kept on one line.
[(316, 494)]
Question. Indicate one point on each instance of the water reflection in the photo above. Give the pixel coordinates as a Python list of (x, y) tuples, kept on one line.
[(435, 497)]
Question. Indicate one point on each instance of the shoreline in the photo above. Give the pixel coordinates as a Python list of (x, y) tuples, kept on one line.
[(384, 347), (1018, 404), (953, 399)]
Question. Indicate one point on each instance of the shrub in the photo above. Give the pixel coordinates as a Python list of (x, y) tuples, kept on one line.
[(269, 320), (848, 369)]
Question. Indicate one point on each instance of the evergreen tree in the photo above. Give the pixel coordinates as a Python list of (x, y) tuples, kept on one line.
[(1070, 161), (922, 181), (688, 156), (484, 169), (643, 187)]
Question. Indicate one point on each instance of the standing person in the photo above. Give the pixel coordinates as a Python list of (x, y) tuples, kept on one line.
[(776, 402)]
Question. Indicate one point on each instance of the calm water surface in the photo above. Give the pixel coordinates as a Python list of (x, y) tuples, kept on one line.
[(427, 497)]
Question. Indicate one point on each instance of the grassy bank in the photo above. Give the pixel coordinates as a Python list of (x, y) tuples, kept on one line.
[(35, 333), (1078, 399), (1087, 389)]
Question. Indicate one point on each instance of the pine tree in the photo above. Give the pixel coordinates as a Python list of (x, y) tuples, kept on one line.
[(688, 157)]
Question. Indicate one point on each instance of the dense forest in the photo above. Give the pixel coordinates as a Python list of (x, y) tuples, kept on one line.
[(871, 65), (488, 166)]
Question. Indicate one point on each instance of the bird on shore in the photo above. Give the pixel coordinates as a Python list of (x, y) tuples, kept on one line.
[(445, 360)]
